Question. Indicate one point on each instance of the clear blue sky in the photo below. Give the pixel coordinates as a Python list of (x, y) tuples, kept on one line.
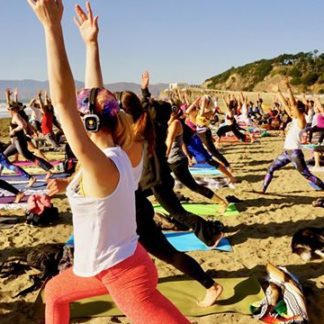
[(176, 40)]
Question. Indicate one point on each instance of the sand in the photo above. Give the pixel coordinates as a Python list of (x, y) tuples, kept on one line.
[(260, 234)]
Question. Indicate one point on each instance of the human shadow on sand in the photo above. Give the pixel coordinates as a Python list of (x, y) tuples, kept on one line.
[(265, 200), (273, 229)]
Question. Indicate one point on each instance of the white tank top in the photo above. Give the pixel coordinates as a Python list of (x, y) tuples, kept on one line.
[(104, 228), (293, 137)]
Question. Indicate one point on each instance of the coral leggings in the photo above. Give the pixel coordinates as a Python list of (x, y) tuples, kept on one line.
[(131, 283)]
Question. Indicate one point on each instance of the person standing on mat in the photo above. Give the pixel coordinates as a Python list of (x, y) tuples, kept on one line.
[(18, 139), (157, 168), (150, 235), (292, 146), (200, 112), (178, 157), (107, 255)]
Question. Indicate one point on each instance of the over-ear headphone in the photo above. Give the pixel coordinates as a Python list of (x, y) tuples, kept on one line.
[(91, 120)]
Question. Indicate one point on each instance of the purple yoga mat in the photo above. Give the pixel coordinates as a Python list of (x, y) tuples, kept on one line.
[(11, 199)]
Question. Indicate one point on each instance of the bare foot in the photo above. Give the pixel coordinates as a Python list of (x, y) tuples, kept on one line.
[(19, 196), (31, 181), (222, 207), (212, 294)]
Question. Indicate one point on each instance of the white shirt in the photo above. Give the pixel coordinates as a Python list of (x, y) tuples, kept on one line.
[(104, 228), (293, 137)]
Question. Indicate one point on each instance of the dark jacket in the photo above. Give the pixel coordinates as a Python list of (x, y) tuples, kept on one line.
[(155, 167)]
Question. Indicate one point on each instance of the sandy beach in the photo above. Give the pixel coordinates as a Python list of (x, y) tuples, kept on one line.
[(260, 234)]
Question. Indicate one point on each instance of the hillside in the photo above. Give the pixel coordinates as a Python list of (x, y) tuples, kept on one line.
[(29, 88), (304, 70)]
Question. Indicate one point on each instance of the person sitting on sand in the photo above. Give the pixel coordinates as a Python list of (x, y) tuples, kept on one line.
[(292, 147), (107, 255)]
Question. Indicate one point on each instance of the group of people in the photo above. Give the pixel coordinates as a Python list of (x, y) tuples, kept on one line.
[(126, 148)]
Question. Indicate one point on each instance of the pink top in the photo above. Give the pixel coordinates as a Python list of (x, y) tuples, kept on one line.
[(320, 120)]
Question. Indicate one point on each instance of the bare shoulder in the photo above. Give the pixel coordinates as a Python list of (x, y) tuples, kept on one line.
[(135, 153)]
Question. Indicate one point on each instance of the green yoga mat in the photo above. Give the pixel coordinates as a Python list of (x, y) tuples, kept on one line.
[(238, 295), (203, 209)]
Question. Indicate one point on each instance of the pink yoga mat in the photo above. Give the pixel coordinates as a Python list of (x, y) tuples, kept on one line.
[(28, 163)]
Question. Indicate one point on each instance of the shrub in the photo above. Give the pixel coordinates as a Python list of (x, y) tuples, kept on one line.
[(310, 78)]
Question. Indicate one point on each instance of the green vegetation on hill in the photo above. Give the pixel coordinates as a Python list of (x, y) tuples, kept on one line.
[(305, 71)]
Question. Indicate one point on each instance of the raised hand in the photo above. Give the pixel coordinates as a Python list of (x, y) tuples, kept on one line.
[(145, 80), (87, 24), (48, 12)]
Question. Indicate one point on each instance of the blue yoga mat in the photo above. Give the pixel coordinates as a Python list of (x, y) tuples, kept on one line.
[(184, 242), (203, 168), (187, 241)]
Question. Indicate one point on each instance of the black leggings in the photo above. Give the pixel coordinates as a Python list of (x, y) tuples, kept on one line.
[(315, 129), (231, 128), (206, 231), (207, 139), (7, 186), (153, 240), (182, 173), (19, 145)]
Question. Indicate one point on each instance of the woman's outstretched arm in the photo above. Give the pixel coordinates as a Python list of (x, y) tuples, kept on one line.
[(62, 90), (88, 27)]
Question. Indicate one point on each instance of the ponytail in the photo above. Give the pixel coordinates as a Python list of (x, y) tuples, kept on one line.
[(144, 130), (123, 132)]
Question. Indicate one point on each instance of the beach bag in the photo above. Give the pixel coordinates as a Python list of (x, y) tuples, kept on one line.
[(284, 301), (40, 211)]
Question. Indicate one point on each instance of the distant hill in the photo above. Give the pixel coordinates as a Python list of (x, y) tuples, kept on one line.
[(304, 70), (28, 88)]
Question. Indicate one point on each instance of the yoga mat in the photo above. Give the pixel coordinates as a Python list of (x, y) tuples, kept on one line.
[(31, 164), (203, 209), (12, 206), (26, 191), (194, 170), (11, 199), (213, 183), (238, 295), (311, 146), (40, 177), (187, 241)]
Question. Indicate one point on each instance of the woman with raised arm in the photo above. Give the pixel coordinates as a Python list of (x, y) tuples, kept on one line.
[(200, 113), (18, 127), (108, 258), (178, 159), (230, 121), (292, 147)]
